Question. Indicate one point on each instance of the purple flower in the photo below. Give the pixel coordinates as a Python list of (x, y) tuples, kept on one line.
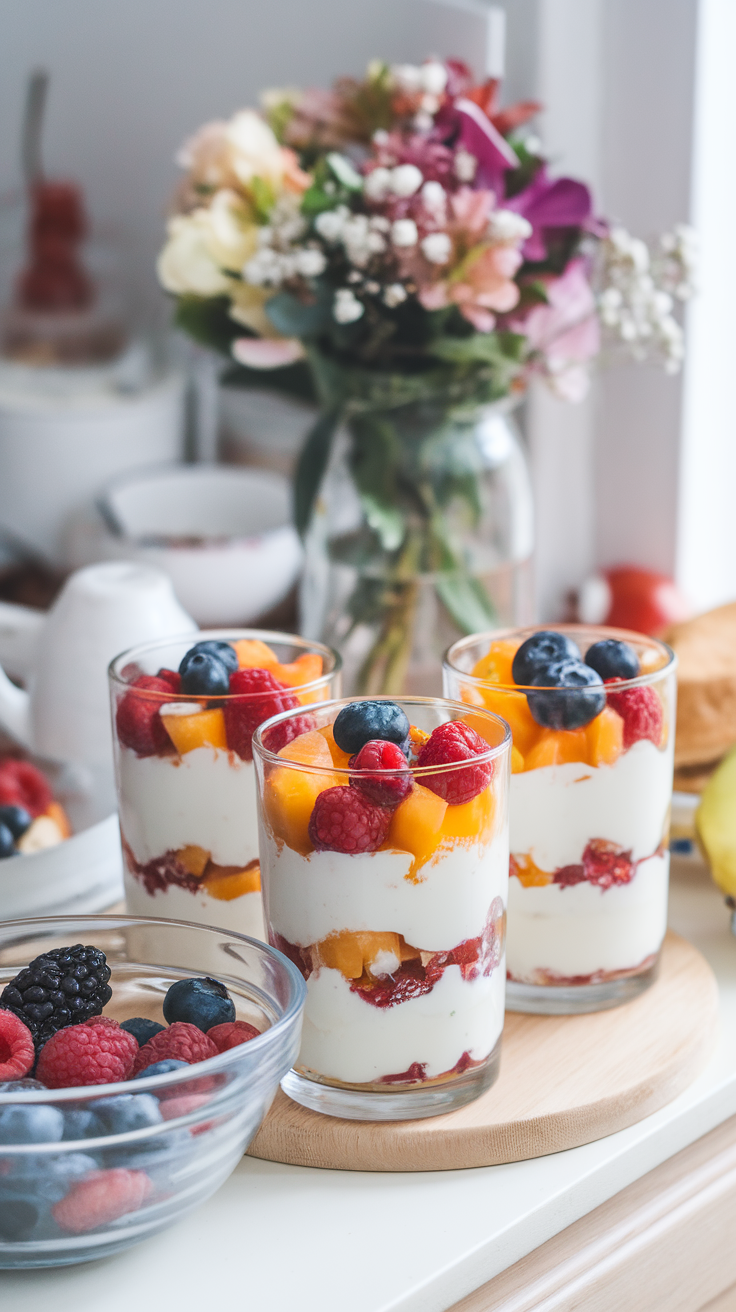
[(548, 204)]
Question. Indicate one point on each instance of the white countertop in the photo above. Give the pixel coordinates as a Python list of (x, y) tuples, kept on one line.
[(277, 1238)]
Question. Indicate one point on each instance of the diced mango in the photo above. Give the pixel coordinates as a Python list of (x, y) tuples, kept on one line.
[(517, 761), (473, 819), (605, 737), (202, 729), (339, 757), (418, 737), (290, 795), (514, 709), (416, 825), (254, 655), (495, 666), (194, 859), (558, 747), (228, 882), (56, 812), (305, 669), (308, 749), (358, 953), (528, 873)]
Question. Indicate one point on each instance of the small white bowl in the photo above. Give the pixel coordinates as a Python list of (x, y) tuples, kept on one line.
[(222, 534)]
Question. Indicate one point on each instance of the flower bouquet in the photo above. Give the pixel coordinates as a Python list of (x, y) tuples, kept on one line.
[(399, 245)]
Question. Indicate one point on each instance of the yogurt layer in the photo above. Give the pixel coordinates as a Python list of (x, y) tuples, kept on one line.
[(325, 892), (345, 1038), (557, 809), (583, 929), (242, 914), (206, 798)]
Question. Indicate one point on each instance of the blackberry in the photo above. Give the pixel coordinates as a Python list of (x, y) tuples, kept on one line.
[(62, 987)]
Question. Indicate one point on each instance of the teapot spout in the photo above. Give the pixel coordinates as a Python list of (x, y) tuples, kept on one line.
[(15, 708)]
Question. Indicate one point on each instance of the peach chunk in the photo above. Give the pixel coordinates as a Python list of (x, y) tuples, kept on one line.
[(514, 709), (529, 875), (193, 858), (308, 749), (228, 882), (355, 953), (605, 737), (472, 820), (290, 795), (517, 761), (339, 757), (253, 654), (416, 825), (56, 812), (305, 669), (495, 666), (558, 747), (202, 729)]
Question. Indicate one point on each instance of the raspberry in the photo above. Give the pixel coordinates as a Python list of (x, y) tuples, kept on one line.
[(455, 741), (181, 1041), (17, 1053), (244, 710), (641, 711), (343, 821), (137, 718), (231, 1034), (90, 1053), (21, 784), (100, 1198), (388, 790), (172, 678)]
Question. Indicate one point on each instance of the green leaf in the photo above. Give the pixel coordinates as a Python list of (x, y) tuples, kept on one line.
[(207, 320), (263, 197), (294, 318), (344, 171), (385, 519), (467, 601), (311, 466)]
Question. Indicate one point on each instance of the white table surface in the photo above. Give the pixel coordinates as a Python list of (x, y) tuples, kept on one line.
[(277, 1238)]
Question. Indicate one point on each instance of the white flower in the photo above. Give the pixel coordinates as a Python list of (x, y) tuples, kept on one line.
[(422, 121), (255, 152), (310, 263), (377, 183), (347, 308), (404, 232), (437, 247), (433, 77), (330, 223), (406, 179), (465, 165), (355, 238), (434, 197), (407, 76), (380, 137), (507, 227), (394, 295), (375, 243), (265, 269), (379, 223), (186, 263)]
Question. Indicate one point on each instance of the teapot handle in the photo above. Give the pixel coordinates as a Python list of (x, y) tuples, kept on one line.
[(20, 628), (15, 711)]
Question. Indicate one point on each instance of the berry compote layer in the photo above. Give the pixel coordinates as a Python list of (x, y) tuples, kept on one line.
[(384, 854), (185, 775), (592, 719)]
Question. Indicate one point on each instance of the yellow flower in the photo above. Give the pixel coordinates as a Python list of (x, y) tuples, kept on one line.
[(247, 307), (206, 245)]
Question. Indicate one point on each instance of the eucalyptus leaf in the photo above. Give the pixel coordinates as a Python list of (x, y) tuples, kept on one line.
[(467, 601), (311, 466), (344, 171), (294, 318), (385, 519)]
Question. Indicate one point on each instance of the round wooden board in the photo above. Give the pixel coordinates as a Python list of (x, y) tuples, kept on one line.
[(565, 1080)]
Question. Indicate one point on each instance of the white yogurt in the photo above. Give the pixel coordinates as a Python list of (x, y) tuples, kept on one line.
[(557, 809), (205, 798), (345, 1038), (242, 914), (582, 929)]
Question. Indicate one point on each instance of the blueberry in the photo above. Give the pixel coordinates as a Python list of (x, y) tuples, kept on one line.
[(201, 1002), (223, 650), (7, 842), (161, 1068), (541, 649), (360, 722), (16, 819), (18, 1218), (127, 1111), (141, 1028), (612, 659), (205, 675), (566, 710), (39, 1124), (47, 1176), (161, 1151), (80, 1124)]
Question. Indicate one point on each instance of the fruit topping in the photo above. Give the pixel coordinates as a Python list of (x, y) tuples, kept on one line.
[(161, 1067), (228, 882), (141, 1028), (22, 785), (7, 842), (449, 743), (290, 794), (224, 651), (513, 707), (558, 747), (188, 730), (17, 819), (204, 674), (100, 1198), (641, 711), (59, 988), (613, 659), (39, 1124), (170, 677), (181, 1041), (202, 1002), (344, 821), (17, 1053), (605, 737), (305, 669), (339, 757), (230, 1034), (496, 665), (570, 709), (360, 953), (539, 651), (360, 722), (416, 825), (253, 654), (255, 696), (382, 789), (137, 720), (90, 1053)]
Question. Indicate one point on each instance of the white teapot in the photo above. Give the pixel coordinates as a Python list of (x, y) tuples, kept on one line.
[(101, 610)]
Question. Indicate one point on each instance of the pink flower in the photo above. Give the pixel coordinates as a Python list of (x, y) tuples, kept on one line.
[(482, 278), (564, 333)]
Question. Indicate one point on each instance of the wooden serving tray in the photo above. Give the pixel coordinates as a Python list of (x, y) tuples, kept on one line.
[(565, 1080)]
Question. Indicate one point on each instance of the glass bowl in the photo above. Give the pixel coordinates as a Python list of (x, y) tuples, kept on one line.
[(194, 1123)]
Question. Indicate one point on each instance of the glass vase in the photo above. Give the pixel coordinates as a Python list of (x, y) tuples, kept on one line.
[(421, 528)]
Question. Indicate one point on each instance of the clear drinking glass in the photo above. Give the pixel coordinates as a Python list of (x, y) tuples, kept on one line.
[(589, 821), (401, 940), (185, 777)]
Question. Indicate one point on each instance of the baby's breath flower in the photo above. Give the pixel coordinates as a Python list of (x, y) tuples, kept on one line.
[(310, 262), (395, 294), (404, 233), (465, 165), (330, 223), (437, 247), (377, 184), (406, 179), (347, 308), (507, 227)]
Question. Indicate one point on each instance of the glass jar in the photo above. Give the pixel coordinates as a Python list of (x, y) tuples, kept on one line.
[(388, 890), (589, 819), (185, 776)]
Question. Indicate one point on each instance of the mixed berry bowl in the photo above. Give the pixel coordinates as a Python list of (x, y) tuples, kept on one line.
[(138, 1059)]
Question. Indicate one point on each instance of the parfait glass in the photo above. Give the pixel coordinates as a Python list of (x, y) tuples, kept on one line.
[(589, 816), (388, 889), (184, 770)]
